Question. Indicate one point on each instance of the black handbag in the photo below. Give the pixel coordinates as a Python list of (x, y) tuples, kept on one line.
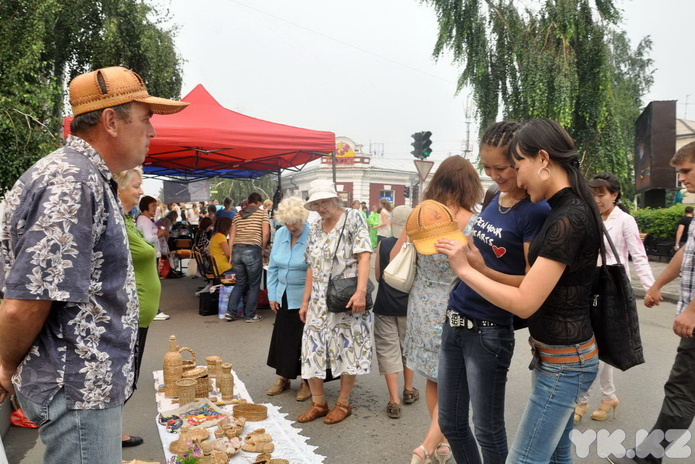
[(614, 314), (341, 289)]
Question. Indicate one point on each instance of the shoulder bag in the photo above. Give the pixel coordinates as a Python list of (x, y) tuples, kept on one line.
[(341, 289), (400, 272), (614, 314)]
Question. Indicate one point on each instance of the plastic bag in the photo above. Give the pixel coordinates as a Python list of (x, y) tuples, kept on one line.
[(18, 419)]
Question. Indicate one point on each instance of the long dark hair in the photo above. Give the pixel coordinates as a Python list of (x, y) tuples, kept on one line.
[(548, 135), (609, 183)]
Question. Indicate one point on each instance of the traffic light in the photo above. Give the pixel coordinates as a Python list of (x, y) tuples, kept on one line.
[(421, 144), (406, 192), (426, 144)]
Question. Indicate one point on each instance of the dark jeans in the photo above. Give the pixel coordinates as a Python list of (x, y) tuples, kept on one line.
[(247, 263), (678, 408), (473, 366)]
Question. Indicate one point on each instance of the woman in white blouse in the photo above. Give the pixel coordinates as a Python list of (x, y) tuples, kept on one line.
[(624, 233)]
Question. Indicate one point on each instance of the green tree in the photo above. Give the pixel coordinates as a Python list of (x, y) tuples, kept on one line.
[(239, 189), (560, 59), (47, 42)]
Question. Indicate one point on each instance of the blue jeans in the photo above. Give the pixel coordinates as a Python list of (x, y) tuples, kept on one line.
[(81, 436), (247, 263), (543, 434), (473, 366)]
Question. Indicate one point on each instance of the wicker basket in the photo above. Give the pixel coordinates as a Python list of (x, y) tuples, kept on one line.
[(188, 363), (251, 412), (200, 375)]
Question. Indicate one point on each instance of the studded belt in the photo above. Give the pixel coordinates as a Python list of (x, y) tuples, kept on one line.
[(456, 319)]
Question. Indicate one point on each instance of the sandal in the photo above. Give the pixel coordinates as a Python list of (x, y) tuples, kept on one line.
[(442, 457), (416, 459), (338, 413), (393, 410), (411, 396), (314, 412)]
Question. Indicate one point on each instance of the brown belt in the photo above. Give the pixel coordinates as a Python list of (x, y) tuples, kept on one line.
[(549, 355)]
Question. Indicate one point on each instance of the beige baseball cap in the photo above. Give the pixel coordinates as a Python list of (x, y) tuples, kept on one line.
[(108, 87)]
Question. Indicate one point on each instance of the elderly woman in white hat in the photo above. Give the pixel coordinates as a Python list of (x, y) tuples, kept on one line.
[(340, 342)]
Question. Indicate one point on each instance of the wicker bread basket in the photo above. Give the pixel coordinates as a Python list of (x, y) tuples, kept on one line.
[(251, 412)]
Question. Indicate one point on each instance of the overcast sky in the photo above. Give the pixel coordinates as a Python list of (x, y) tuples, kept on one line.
[(364, 68)]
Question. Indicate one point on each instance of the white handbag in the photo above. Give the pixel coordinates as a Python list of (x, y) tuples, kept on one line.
[(400, 272)]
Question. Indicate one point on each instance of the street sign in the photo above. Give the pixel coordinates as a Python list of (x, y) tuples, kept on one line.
[(423, 168)]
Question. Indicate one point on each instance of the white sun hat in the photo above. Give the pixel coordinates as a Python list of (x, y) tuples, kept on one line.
[(320, 189)]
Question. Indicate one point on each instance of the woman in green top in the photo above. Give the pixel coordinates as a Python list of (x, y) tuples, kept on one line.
[(373, 220), (144, 264)]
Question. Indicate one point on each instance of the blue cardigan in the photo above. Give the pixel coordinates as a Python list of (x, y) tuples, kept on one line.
[(287, 269)]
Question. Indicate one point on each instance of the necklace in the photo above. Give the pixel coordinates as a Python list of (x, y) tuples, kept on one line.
[(499, 205)]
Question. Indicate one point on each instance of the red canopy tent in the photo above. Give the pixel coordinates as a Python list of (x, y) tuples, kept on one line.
[(208, 140)]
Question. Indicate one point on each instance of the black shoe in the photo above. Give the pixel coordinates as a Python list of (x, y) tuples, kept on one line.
[(230, 317), (132, 441)]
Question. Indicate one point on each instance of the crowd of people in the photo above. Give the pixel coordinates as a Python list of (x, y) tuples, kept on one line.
[(82, 250)]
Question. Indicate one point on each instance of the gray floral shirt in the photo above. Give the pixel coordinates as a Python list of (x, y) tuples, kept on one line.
[(64, 240)]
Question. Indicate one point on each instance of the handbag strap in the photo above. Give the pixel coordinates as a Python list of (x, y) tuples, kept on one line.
[(610, 242), (335, 253)]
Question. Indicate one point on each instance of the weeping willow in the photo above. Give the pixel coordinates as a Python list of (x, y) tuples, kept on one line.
[(566, 60)]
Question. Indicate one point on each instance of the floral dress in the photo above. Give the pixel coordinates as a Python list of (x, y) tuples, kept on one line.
[(429, 297), (339, 341)]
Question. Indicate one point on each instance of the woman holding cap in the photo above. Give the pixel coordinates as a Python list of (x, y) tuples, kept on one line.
[(478, 337), (448, 210), (338, 245), (555, 294)]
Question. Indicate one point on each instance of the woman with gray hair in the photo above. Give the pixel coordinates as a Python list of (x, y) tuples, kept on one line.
[(144, 259), (285, 282)]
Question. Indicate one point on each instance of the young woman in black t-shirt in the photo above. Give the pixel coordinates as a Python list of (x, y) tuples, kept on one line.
[(555, 293)]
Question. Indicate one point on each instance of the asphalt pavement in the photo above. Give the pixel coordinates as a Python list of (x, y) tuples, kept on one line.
[(369, 435)]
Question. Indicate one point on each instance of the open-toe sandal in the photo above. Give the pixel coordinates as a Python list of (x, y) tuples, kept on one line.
[(411, 396), (441, 458), (393, 410), (416, 459)]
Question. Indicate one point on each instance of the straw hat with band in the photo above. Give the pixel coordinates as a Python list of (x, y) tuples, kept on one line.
[(431, 221), (109, 87), (320, 189)]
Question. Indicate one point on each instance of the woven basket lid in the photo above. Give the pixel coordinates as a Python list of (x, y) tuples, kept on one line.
[(195, 373)]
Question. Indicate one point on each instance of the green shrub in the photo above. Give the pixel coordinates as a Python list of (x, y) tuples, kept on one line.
[(661, 223)]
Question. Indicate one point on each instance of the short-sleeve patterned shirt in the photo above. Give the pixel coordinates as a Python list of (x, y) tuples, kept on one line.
[(64, 240)]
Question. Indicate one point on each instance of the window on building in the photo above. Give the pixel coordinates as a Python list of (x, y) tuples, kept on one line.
[(386, 195)]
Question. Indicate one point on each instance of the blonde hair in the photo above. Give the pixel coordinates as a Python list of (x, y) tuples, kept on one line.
[(291, 210), (125, 178), (267, 204)]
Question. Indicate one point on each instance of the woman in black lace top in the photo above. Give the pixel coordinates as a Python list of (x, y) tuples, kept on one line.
[(555, 293)]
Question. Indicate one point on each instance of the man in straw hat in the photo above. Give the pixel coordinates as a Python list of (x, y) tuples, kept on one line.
[(69, 320)]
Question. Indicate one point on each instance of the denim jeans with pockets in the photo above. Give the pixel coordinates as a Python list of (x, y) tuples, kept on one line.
[(247, 263), (76, 436), (543, 434), (473, 366)]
